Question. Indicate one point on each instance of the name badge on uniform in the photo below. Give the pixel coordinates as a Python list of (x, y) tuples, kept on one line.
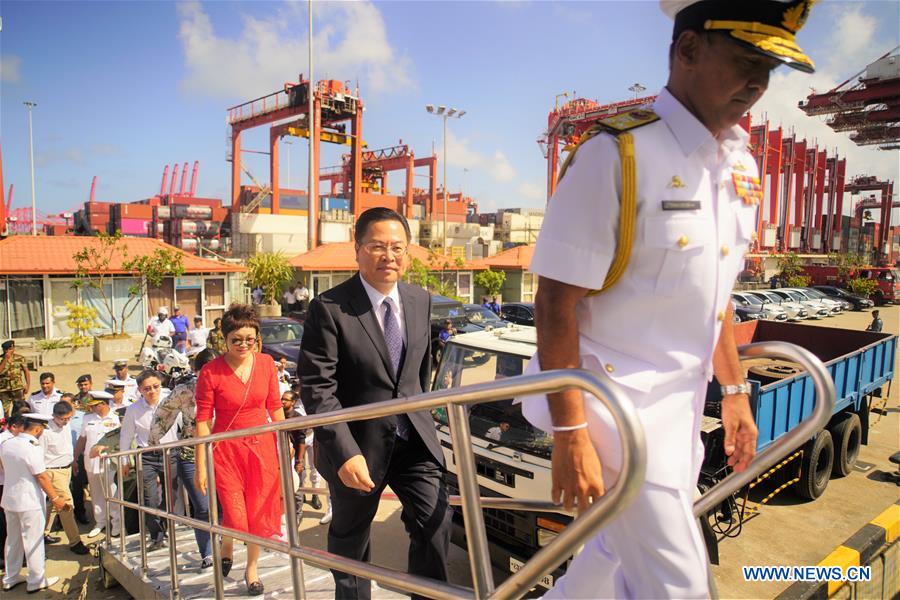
[(681, 205)]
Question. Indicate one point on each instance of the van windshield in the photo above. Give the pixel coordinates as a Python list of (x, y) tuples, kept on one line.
[(500, 422)]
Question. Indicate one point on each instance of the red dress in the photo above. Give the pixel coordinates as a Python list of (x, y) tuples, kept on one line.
[(247, 474)]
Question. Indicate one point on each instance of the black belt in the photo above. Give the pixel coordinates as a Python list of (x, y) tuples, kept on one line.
[(65, 467)]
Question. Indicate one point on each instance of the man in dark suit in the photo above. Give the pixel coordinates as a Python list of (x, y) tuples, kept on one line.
[(368, 340)]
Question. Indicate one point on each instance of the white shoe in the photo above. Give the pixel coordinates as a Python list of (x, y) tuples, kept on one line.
[(327, 518), (95, 532), (9, 584), (47, 582)]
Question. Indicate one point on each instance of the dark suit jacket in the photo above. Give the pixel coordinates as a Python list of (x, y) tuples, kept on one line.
[(344, 362)]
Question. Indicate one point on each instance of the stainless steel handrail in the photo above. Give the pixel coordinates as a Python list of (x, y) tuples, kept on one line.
[(566, 543), (793, 439)]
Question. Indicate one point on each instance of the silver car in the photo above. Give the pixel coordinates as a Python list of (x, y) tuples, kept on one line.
[(837, 306), (817, 310), (795, 310), (771, 311)]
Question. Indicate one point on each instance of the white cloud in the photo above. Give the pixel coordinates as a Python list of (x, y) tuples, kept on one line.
[(350, 43), (533, 190), (501, 169), (460, 153), (850, 49), (9, 69)]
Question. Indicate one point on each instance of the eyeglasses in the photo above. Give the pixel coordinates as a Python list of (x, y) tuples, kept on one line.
[(379, 249), (242, 342), (150, 388)]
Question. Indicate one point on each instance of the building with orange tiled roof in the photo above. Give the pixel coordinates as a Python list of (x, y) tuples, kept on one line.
[(520, 284), (330, 264), (37, 273)]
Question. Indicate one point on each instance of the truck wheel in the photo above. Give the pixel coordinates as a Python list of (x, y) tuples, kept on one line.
[(846, 435), (815, 470), (878, 298)]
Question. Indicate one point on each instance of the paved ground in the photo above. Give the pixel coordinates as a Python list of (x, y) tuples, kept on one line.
[(788, 531)]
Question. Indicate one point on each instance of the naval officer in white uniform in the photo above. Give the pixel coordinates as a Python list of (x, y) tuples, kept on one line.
[(26, 483), (680, 179), (43, 400)]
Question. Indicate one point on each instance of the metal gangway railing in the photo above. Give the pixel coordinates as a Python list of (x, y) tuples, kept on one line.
[(588, 523)]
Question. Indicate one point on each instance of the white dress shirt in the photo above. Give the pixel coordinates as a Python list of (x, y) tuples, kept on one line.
[(57, 444), (94, 428), (22, 459), (158, 328), (198, 337), (377, 299), (43, 404), (136, 426)]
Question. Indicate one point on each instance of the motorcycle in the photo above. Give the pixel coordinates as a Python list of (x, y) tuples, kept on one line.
[(164, 358)]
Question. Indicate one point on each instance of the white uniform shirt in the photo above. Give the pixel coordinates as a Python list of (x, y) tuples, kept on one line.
[(198, 337), (131, 389), (23, 459), (4, 436), (289, 297), (136, 426), (57, 444), (43, 404), (158, 327), (655, 330), (94, 428), (494, 433)]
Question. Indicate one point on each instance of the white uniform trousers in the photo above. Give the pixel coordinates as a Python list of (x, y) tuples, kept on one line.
[(653, 550), (25, 540), (98, 500)]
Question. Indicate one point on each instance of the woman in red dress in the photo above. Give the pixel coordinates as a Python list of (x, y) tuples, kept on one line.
[(236, 390)]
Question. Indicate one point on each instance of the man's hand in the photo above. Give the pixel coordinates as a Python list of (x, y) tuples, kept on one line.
[(126, 469), (355, 474), (96, 451), (74, 468), (740, 431), (576, 470), (59, 503)]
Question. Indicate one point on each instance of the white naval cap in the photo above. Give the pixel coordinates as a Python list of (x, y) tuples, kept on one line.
[(45, 419), (767, 26), (116, 382), (100, 395)]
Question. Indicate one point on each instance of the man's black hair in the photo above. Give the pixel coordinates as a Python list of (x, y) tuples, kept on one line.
[(374, 215), (47, 375), (61, 409), (147, 374)]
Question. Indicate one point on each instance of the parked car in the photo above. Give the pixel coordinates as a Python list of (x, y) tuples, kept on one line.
[(746, 313), (816, 310), (520, 313), (844, 304), (483, 317), (795, 310), (442, 309), (834, 307), (281, 338), (770, 310), (832, 291)]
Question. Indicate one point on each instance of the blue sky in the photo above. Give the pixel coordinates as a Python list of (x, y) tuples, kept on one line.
[(125, 88)]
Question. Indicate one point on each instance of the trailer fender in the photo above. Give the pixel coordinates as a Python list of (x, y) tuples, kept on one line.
[(864, 419)]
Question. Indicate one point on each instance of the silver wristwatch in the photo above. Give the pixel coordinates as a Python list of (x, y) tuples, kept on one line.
[(730, 390)]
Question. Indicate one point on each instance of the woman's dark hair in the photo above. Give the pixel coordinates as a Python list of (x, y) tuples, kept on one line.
[(202, 358), (374, 215), (147, 374), (239, 316), (20, 406)]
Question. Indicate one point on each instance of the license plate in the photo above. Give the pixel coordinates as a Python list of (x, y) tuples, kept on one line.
[(515, 565)]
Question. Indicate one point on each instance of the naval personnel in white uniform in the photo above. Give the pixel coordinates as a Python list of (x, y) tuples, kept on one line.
[(125, 379), (43, 400), (26, 483), (664, 327), (101, 420)]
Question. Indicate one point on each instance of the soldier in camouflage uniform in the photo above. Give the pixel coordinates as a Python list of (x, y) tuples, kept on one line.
[(15, 381), (216, 341)]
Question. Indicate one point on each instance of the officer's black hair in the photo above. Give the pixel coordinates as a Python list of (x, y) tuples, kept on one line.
[(8, 344), (375, 215), (61, 409), (47, 375), (202, 358), (15, 420), (20, 406)]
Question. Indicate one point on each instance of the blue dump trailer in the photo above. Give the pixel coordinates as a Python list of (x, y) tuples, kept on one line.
[(513, 457)]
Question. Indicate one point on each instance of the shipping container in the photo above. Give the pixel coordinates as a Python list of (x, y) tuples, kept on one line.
[(191, 244), (163, 212), (195, 228), (136, 227), (176, 200), (135, 211), (191, 211)]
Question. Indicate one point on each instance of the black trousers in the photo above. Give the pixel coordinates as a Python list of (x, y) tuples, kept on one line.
[(76, 486), (418, 481)]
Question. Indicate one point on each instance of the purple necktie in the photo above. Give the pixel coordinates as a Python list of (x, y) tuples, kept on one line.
[(394, 340)]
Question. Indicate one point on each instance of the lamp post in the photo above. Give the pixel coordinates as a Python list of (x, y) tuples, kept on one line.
[(312, 204), (637, 89), (30, 106), (442, 111), (288, 143)]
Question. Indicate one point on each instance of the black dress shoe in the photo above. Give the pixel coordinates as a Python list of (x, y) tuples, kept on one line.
[(316, 503), (49, 539), (254, 588), (226, 566), (79, 548)]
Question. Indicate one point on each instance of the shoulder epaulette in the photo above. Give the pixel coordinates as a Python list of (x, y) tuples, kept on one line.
[(615, 125)]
